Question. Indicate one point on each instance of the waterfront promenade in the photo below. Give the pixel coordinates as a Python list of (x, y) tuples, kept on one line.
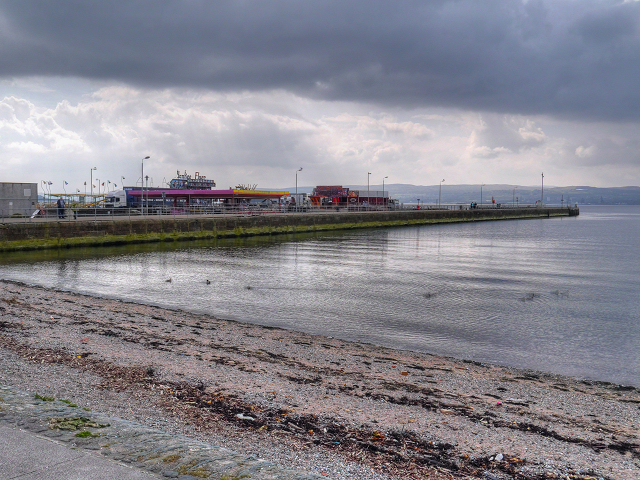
[(105, 229)]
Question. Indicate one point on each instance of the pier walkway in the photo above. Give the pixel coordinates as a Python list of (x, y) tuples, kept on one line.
[(106, 229)]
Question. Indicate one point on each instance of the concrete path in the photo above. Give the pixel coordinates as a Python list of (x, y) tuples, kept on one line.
[(47, 439), (28, 456)]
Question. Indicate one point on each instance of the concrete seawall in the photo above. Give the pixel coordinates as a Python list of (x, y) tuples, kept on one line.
[(16, 236)]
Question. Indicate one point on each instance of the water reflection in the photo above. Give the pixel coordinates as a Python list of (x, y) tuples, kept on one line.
[(553, 294)]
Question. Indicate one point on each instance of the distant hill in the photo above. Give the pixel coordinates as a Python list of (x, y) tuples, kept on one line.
[(509, 193), (505, 194)]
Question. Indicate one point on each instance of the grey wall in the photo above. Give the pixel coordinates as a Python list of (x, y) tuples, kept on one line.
[(18, 198)]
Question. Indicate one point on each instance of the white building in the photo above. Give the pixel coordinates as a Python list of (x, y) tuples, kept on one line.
[(18, 199)]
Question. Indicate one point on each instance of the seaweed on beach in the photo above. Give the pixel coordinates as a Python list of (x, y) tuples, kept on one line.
[(377, 377), (401, 452)]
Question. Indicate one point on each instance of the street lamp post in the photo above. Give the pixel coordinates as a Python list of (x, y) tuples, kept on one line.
[(542, 194), (299, 170), (142, 185), (94, 168), (440, 193), (384, 205), (368, 193), (147, 185), (513, 202), (481, 194), (49, 183), (44, 189)]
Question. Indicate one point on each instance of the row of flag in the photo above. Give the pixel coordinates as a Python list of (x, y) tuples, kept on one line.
[(94, 186), (115, 185)]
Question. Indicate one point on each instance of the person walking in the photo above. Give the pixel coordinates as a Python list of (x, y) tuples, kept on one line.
[(60, 204)]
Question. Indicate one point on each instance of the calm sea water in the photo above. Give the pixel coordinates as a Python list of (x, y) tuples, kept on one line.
[(559, 295)]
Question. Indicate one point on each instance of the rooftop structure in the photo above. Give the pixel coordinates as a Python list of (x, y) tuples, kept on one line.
[(186, 182)]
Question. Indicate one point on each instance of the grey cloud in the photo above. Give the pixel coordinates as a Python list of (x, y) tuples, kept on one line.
[(563, 58), (613, 25), (598, 152), (502, 133)]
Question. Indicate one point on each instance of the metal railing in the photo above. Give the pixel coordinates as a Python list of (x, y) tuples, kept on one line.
[(52, 213), (486, 206)]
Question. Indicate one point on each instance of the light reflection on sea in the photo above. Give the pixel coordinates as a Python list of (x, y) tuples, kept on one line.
[(558, 295)]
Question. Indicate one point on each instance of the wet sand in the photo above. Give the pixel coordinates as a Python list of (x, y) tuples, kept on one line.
[(338, 408)]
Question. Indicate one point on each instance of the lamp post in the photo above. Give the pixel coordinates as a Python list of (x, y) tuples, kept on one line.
[(142, 185), (542, 194), (384, 206), (122, 182), (146, 179), (94, 168), (49, 183), (481, 194), (440, 193), (368, 194), (299, 170), (513, 202)]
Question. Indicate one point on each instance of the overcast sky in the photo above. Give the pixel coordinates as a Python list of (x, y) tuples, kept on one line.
[(487, 91)]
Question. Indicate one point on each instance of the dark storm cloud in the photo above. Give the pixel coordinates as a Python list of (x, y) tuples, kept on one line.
[(573, 59)]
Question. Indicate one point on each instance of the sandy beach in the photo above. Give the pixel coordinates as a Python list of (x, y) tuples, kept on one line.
[(336, 408)]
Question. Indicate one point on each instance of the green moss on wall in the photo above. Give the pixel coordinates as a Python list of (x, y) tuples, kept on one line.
[(56, 235)]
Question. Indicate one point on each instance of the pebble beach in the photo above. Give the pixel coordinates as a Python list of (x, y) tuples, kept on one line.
[(320, 405)]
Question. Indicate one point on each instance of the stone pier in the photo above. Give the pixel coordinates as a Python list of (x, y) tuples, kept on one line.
[(28, 234)]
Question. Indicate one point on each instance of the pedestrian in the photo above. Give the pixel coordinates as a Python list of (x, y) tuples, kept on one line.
[(60, 204)]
